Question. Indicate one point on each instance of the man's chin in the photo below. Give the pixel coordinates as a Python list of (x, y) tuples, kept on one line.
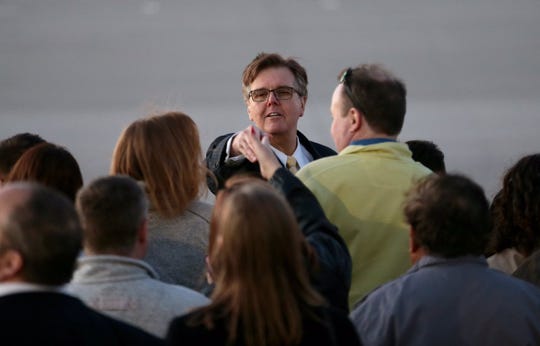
[(273, 132)]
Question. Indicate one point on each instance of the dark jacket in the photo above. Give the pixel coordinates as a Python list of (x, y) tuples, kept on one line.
[(529, 270), (330, 327), (216, 153), (332, 278), (50, 318)]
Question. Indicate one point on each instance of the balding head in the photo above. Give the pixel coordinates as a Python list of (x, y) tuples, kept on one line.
[(40, 235)]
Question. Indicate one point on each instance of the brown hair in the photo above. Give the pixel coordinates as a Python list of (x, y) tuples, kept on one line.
[(12, 148), (256, 253), (50, 165), (381, 96), (449, 215), (516, 209), (112, 210), (272, 60), (44, 228), (163, 151)]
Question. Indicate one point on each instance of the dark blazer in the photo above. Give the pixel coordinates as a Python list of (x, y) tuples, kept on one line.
[(50, 318), (529, 270), (216, 153), (328, 327)]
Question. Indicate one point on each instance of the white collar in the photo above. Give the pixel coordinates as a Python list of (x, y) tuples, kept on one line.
[(302, 156)]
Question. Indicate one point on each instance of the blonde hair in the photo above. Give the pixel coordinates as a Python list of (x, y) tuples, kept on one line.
[(256, 253), (164, 151)]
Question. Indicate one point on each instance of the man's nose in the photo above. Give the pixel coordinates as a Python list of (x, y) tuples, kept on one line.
[(272, 98)]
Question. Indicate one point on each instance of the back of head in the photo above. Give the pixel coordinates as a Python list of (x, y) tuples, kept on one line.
[(273, 60), (164, 151), (516, 208), (253, 230), (112, 210), (256, 254), (449, 215), (378, 94), (42, 226), (428, 154), (13, 147), (50, 165)]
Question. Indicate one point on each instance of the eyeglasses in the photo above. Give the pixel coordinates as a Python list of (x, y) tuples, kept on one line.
[(281, 93), (345, 79)]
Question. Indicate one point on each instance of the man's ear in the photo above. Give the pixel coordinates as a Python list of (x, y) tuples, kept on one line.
[(415, 250), (356, 119), (303, 100), (413, 246), (142, 233), (141, 241), (11, 263)]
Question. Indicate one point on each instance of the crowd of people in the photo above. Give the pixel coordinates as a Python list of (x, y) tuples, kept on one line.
[(372, 244)]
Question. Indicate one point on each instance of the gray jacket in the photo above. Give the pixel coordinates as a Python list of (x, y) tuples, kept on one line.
[(128, 289), (177, 246)]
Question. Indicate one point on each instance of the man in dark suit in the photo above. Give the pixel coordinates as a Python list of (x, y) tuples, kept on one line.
[(275, 92), (40, 238)]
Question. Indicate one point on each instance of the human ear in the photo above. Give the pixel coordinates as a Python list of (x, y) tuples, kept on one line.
[(11, 263), (356, 119)]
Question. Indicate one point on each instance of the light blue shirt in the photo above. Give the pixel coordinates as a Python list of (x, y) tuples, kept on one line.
[(458, 301)]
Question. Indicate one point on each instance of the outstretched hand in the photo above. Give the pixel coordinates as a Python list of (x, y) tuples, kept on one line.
[(260, 148), (240, 145)]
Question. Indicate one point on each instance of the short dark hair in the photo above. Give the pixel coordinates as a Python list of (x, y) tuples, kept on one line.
[(516, 208), (13, 147), (449, 215), (45, 230), (264, 61), (50, 165), (381, 95), (112, 210), (428, 154)]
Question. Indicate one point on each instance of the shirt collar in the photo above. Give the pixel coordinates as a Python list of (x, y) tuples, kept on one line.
[(300, 154), (369, 141), (431, 260)]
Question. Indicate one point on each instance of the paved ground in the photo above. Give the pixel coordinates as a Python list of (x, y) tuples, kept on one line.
[(78, 71)]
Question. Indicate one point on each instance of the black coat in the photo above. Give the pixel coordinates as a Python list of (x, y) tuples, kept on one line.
[(216, 153), (49, 318), (529, 270), (330, 328)]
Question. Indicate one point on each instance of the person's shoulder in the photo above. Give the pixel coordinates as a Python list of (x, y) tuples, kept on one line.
[(323, 150), (336, 328), (181, 295), (317, 150), (204, 209), (126, 334), (337, 316), (200, 209), (220, 139), (514, 283), (72, 313), (386, 295), (190, 330), (320, 167), (529, 269)]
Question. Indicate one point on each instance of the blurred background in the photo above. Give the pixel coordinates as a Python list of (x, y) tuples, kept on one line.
[(77, 72)]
